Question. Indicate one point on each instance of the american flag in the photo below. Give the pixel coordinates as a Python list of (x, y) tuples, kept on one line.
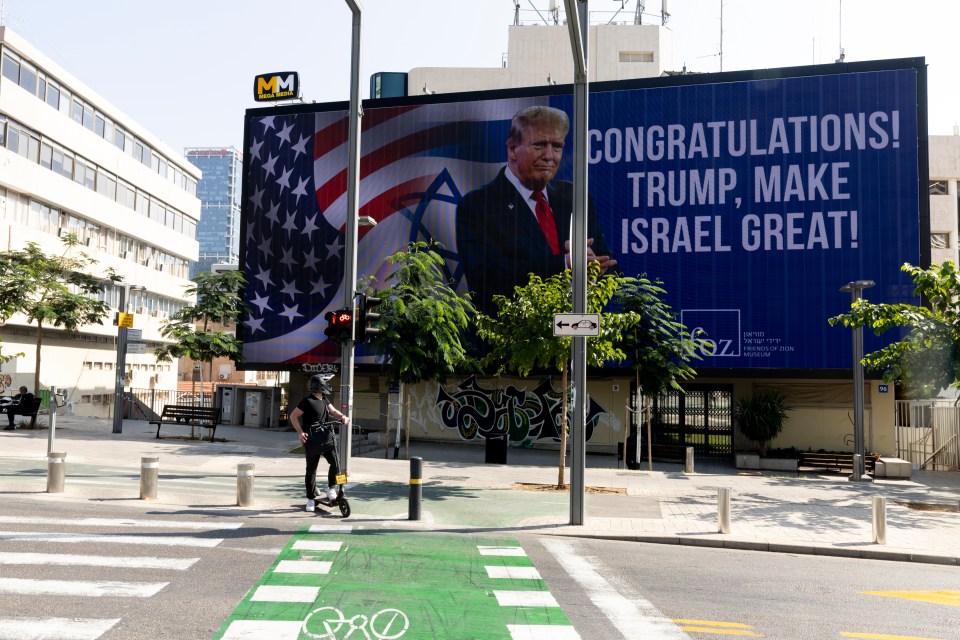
[(416, 163)]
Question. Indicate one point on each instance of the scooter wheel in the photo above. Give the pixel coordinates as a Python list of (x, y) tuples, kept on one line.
[(344, 507)]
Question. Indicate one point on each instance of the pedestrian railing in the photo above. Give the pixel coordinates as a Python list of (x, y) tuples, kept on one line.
[(928, 433)]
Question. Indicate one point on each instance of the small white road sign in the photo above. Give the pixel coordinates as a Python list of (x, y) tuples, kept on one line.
[(136, 347), (576, 324)]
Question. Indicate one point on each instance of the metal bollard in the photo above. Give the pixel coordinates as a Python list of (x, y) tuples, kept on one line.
[(416, 487), (688, 465), (245, 477), (879, 520), (149, 468), (55, 472), (723, 510)]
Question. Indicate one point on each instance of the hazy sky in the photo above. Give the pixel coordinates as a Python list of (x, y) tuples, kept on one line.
[(185, 69)]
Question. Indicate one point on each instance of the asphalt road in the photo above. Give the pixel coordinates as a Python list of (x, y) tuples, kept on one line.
[(709, 593)]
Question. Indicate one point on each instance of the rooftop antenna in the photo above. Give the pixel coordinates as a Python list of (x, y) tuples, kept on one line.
[(516, 13), (842, 55), (638, 14), (665, 12)]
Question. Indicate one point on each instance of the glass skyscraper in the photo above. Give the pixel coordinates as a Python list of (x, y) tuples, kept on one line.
[(219, 191)]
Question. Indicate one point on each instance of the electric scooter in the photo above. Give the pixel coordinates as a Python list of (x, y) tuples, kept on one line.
[(341, 500)]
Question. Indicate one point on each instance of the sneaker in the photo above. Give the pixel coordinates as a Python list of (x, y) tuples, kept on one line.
[(332, 494), (311, 506)]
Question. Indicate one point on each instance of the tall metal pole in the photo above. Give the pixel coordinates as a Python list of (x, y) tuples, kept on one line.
[(350, 250), (121, 363), (578, 22), (855, 289)]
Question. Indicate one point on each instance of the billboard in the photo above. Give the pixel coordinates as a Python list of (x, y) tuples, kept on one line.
[(753, 196)]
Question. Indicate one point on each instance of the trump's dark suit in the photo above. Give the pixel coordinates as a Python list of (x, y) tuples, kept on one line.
[(500, 242)]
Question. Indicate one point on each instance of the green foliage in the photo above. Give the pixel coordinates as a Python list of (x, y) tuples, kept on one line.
[(422, 319), (521, 337), (52, 290), (660, 346), (761, 416), (927, 359), (218, 303)]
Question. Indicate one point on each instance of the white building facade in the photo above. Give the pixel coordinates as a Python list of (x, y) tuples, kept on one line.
[(72, 162)]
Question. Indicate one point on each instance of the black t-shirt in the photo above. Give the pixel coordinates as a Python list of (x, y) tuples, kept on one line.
[(314, 411)]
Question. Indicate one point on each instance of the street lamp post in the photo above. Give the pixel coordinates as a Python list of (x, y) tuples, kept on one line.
[(855, 289), (121, 358)]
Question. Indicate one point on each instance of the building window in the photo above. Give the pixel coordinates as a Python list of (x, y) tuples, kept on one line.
[(940, 240), (938, 187), (636, 56)]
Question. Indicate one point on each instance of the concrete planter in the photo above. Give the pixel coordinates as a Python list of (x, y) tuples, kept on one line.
[(748, 461), (754, 461), (778, 464)]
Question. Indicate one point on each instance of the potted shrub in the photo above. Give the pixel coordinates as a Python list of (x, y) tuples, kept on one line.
[(761, 417)]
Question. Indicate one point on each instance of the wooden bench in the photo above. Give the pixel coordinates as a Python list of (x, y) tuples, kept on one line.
[(28, 411), (833, 462), (189, 415)]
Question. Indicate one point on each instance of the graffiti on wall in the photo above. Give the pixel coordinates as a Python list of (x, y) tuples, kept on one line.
[(526, 416)]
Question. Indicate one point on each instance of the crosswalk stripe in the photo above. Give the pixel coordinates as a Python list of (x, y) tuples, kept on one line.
[(268, 593), (501, 551), (303, 566), (25, 586), (124, 562), (525, 599), (259, 629), (513, 573), (120, 522), (317, 545), (54, 628), (331, 528), (634, 617), (542, 632), (172, 541)]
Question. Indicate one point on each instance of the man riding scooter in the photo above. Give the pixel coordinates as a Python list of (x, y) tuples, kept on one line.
[(311, 419)]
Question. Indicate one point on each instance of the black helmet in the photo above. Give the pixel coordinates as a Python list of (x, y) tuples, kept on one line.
[(321, 383)]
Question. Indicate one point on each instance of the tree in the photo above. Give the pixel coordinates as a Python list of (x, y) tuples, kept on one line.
[(51, 290), (422, 319), (521, 337), (761, 417), (198, 330), (660, 347), (927, 359)]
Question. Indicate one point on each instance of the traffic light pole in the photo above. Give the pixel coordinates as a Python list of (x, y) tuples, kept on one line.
[(350, 249)]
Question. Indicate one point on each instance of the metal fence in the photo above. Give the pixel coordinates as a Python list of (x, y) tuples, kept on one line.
[(928, 433), (147, 404)]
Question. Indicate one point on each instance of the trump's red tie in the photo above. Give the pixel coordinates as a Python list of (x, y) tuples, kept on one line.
[(547, 223)]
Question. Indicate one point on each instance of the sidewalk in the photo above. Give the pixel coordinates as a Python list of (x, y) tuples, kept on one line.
[(823, 515)]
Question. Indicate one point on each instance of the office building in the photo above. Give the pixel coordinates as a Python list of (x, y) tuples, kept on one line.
[(73, 162), (219, 191)]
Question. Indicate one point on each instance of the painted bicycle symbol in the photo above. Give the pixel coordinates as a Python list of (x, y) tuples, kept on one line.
[(386, 624)]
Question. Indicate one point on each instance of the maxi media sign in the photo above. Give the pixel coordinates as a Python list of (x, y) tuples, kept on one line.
[(753, 197)]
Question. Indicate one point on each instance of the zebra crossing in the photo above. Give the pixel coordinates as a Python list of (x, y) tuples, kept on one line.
[(336, 581), (81, 570)]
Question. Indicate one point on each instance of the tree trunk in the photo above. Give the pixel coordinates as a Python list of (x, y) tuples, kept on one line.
[(36, 373), (563, 432)]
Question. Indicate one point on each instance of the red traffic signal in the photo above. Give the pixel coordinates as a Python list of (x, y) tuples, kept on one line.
[(339, 324)]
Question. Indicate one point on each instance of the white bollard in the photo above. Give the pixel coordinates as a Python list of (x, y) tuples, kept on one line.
[(688, 464), (55, 471), (723, 510), (149, 469), (245, 476), (879, 520)]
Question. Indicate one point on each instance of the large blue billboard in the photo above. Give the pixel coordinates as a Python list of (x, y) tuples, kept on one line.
[(753, 197)]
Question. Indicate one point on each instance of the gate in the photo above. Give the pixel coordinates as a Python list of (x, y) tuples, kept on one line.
[(701, 418), (928, 433)]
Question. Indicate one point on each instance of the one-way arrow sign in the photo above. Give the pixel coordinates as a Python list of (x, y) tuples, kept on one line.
[(576, 324)]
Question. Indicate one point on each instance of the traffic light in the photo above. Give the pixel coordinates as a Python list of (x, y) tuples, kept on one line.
[(365, 318), (339, 324)]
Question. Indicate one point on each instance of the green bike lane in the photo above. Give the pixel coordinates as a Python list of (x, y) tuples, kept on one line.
[(334, 582)]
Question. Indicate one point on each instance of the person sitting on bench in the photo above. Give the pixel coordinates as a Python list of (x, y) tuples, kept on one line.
[(22, 405)]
